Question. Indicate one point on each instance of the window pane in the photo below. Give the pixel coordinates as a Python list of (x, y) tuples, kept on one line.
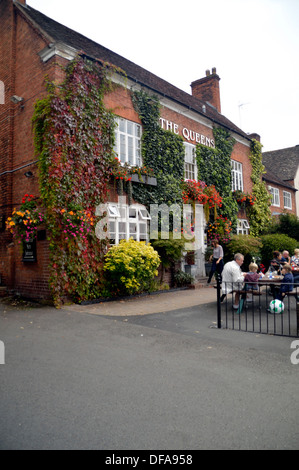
[(112, 227), (122, 125), (123, 148), (130, 128), (133, 230), (130, 151), (122, 230), (138, 131), (132, 212)]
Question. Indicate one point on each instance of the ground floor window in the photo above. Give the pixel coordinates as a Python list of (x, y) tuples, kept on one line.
[(127, 222), (243, 227)]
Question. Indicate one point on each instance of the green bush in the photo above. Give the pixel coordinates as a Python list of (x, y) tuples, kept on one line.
[(287, 224), (130, 267), (249, 246), (276, 242)]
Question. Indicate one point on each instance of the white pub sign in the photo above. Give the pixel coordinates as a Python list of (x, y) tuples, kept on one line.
[(190, 135)]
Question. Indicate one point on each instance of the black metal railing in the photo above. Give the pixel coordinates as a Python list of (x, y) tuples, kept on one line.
[(251, 310)]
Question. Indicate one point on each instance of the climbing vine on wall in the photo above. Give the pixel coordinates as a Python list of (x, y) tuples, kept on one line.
[(163, 151), (74, 136), (214, 167), (260, 213)]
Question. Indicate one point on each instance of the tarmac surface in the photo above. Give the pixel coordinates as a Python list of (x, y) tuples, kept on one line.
[(146, 373)]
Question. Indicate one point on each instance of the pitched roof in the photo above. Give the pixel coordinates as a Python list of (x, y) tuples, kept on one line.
[(271, 177), (55, 32), (284, 162)]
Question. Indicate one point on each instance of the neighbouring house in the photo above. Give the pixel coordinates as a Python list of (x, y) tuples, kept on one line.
[(282, 178), (34, 46)]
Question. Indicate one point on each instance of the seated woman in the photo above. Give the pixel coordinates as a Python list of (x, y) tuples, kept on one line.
[(295, 258), (295, 267), (276, 263)]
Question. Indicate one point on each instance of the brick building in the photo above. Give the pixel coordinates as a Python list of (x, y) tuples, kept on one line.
[(282, 178), (33, 46)]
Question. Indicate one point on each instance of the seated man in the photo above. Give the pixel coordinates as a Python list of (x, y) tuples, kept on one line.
[(233, 278)]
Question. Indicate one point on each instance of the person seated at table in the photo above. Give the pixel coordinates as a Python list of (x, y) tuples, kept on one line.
[(287, 284), (233, 278), (286, 257), (252, 277), (295, 258), (295, 267), (276, 262)]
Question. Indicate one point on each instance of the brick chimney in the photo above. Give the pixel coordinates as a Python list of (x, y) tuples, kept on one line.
[(207, 89)]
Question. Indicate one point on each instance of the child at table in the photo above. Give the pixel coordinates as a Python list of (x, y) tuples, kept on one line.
[(252, 277), (287, 283)]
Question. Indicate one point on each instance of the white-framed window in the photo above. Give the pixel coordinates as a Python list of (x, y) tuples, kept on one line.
[(243, 227), (128, 222), (190, 162), (274, 192), (128, 141), (287, 200), (237, 176)]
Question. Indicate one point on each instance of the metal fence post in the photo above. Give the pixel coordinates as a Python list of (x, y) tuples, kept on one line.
[(218, 303)]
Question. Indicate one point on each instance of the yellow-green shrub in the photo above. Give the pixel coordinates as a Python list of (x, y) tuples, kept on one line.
[(130, 267)]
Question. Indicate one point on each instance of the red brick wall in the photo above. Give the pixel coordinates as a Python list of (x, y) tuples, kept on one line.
[(7, 56), (23, 74), (120, 103), (281, 209)]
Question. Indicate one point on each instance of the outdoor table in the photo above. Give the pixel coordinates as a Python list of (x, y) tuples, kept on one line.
[(266, 281)]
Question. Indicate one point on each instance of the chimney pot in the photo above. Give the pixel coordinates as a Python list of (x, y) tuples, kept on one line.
[(208, 73), (214, 70)]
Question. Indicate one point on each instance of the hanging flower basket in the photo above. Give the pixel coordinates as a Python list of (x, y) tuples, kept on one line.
[(244, 200), (24, 222)]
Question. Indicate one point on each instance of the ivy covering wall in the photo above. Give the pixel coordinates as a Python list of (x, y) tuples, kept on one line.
[(214, 167), (260, 213), (163, 151), (74, 136)]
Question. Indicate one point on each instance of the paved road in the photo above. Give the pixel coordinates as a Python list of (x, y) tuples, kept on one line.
[(97, 377)]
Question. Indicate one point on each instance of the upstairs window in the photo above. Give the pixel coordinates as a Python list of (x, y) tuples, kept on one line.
[(287, 200), (128, 142), (190, 162), (275, 196), (237, 176)]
